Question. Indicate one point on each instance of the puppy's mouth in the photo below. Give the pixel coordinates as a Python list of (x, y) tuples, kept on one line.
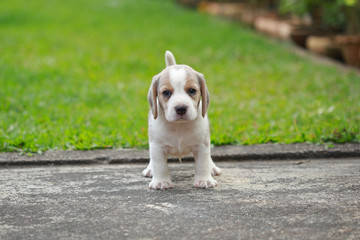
[(182, 119), (179, 118)]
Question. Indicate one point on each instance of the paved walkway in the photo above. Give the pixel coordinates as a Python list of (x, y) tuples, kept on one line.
[(223, 153), (298, 199)]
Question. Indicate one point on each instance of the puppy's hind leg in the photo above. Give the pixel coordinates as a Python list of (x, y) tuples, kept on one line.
[(215, 171), (147, 171)]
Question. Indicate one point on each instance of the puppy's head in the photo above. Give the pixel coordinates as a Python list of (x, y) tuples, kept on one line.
[(178, 89)]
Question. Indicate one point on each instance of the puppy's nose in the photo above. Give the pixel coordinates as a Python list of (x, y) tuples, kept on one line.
[(181, 110)]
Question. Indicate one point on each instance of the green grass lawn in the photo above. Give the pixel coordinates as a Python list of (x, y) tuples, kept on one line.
[(75, 74)]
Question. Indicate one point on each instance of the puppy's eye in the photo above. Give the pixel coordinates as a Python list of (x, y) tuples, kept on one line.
[(166, 93), (192, 91)]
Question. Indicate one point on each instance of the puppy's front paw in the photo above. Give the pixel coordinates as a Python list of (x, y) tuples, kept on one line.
[(215, 171), (161, 185), (147, 172), (205, 183)]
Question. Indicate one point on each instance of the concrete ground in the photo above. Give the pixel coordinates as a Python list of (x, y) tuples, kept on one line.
[(288, 199), (221, 153)]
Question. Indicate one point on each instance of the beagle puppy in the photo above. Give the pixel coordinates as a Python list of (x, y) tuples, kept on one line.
[(179, 125)]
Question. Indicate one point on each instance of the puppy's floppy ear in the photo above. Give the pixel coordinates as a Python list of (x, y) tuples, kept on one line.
[(205, 97), (152, 96)]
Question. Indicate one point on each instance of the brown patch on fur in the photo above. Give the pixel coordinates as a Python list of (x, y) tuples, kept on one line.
[(152, 95), (192, 83), (204, 94), (165, 85)]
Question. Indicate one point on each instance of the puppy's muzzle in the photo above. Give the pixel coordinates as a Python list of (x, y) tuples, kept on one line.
[(181, 110)]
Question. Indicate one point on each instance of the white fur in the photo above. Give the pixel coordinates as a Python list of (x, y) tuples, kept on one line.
[(169, 59), (173, 135)]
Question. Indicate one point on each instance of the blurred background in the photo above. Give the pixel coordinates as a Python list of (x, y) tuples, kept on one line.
[(327, 27), (74, 75)]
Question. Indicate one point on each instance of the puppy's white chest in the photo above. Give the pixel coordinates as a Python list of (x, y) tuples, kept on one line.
[(180, 138), (179, 141)]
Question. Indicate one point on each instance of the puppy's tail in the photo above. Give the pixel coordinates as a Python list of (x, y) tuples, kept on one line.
[(169, 59)]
